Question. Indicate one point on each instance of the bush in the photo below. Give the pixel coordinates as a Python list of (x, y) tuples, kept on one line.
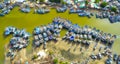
[(64, 62), (63, 2), (56, 1), (42, 0), (97, 1), (51, 52), (61, 62), (55, 61), (86, 2), (103, 4), (34, 57), (114, 9)]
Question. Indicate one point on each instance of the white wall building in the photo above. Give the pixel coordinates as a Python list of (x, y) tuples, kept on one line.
[(13, 1), (69, 1)]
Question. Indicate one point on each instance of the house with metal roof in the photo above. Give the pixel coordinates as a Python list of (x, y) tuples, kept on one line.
[(13, 1), (80, 3)]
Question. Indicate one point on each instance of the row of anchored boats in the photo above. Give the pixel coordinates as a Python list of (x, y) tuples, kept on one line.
[(5, 9), (51, 32), (112, 58), (103, 13), (42, 10), (106, 14), (75, 33), (19, 40)]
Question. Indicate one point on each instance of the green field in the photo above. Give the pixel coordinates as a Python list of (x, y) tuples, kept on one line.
[(30, 20)]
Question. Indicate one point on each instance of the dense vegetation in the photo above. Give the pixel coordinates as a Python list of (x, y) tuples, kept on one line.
[(41, 0), (55, 61), (114, 9), (97, 1), (56, 1), (103, 4)]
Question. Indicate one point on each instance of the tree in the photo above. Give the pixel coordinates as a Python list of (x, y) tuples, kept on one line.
[(35, 57), (56, 1), (51, 0), (114, 9), (86, 2), (55, 61), (32, 0), (51, 52), (97, 1), (42, 0), (63, 2), (61, 62), (103, 4)]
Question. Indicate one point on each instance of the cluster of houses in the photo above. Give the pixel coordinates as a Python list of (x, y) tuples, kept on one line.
[(82, 3), (19, 40), (75, 7), (102, 13)]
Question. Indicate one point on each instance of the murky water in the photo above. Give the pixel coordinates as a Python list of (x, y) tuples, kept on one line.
[(30, 20)]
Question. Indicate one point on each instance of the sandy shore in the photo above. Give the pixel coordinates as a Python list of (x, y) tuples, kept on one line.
[(62, 49)]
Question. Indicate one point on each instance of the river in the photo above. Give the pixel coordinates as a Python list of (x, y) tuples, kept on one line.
[(31, 20)]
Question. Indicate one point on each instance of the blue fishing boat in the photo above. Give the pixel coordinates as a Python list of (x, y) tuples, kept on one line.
[(82, 14), (37, 30)]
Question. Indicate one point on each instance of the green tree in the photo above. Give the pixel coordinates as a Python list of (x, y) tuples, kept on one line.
[(61, 62), (56, 1), (66, 63), (97, 1), (35, 57), (114, 9), (55, 61), (86, 2), (63, 2), (51, 0), (42, 0), (32, 0), (103, 4), (51, 52)]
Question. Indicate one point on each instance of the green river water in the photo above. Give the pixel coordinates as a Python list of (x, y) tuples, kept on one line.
[(30, 20)]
